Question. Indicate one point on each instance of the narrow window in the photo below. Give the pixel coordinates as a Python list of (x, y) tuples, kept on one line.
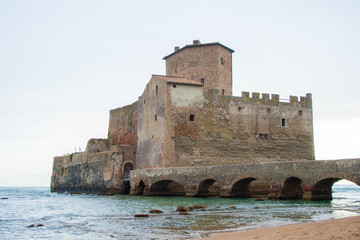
[(157, 90), (155, 117), (192, 117), (202, 81), (222, 60), (174, 86), (283, 122), (118, 137), (223, 92), (268, 110), (144, 101), (239, 109), (300, 113)]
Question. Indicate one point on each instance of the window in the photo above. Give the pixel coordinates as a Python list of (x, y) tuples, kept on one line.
[(223, 92), (239, 109), (283, 122), (174, 86), (155, 117), (157, 90), (118, 137), (300, 113), (192, 117), (268, 110), (144, 101), (222, 60), (202, 81)]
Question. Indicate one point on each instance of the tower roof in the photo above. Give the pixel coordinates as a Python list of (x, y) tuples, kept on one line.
[(178, 80), (197, 43)]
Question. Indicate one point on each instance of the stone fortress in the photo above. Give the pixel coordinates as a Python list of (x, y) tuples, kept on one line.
[(187, 135)]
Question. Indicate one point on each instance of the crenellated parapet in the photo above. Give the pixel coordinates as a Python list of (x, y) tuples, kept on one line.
[(274, 99)]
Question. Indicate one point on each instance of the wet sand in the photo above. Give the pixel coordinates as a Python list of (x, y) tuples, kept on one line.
[(342, 228)]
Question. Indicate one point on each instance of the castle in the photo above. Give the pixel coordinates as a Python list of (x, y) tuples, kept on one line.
[(189, 118)]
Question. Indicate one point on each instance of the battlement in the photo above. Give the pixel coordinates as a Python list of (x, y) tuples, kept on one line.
[(275, 99)]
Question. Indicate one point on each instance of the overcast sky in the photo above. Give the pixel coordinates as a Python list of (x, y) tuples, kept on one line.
[(65, 64)]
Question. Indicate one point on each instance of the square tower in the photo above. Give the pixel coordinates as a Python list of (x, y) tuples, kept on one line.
[(209, 64)]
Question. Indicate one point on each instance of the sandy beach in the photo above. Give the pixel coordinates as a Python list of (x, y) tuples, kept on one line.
[(342, 228)]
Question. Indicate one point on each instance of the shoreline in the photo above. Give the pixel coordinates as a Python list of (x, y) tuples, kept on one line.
[(339, 228)]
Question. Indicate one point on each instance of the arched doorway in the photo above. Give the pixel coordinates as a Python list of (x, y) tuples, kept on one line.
[(241, 188), (167, 188), (209, 188), (126, 176), (292, 189)]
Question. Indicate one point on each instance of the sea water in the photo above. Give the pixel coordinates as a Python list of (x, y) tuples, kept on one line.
[(74, 216)]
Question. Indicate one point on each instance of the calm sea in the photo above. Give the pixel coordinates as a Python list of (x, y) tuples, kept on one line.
[(68, 216)]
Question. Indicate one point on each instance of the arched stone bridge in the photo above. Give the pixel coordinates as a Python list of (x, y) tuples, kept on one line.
[(310, 180)]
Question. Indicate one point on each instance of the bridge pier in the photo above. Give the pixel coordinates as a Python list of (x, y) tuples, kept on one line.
[(225, 192), (191, 190)]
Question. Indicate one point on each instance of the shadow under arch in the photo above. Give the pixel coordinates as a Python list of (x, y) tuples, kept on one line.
[(167, 188), (209, 188), (140, 188), (241, 188), (322, 189), (292, 189)]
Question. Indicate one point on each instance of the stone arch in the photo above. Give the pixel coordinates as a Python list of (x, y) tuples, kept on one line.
[(128, 166), (139, 190), (167, 188), (241, 188), (260, 188), (209, 188), (322, 189), (292, 189)]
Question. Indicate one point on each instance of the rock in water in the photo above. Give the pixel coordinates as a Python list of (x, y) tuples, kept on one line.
[(198, 206), (182, 209), (155, 211), (141, 215), (184, 213)]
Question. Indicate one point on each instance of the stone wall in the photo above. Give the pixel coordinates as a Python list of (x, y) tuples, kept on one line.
[(233, 130), (123, 125), (90, 171)]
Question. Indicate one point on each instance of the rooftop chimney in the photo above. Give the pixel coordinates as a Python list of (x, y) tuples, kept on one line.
[(177, 48), (196, 42)]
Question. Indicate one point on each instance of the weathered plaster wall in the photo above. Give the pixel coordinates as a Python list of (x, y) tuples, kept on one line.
[(89, 171), (232, 130), (186, 96), (203, 62), (151, 125)]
